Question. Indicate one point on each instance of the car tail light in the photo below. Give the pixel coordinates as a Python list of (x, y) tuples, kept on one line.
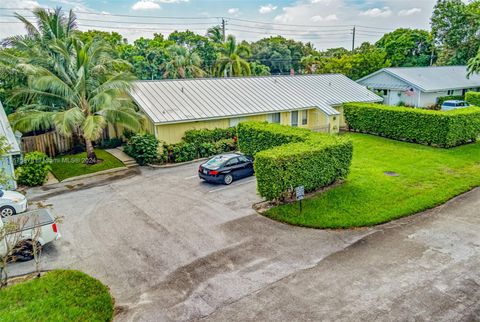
[(54, 227), (199, 168), (213, 172)]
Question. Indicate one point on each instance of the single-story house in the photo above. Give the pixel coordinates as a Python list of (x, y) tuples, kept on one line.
[(420, 86), (310, 101), (6, 161)]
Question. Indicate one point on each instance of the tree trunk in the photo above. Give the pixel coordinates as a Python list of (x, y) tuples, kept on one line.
[(91, 156)]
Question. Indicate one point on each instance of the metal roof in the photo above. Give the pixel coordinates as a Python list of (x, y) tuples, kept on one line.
[(6, 131), (172, 101), (428, 79)]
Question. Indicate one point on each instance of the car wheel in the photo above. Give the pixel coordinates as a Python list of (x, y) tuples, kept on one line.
[(228, 179), (7, 211), (24, 251)]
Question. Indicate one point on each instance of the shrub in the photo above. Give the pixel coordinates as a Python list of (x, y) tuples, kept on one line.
[(34, 169), (225, 145), (473, 98), (111, 143), (442, 99), (287, 157), (209, 136), (443, 129), (180, 152), (143, 148)]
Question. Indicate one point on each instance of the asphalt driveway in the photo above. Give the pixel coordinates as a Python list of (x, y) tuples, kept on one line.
[(173, 248)]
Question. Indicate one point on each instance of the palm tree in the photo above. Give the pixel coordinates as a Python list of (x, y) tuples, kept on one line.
[(232, 62), (182, 64), (310, 63), (215, 34), (80, 95)]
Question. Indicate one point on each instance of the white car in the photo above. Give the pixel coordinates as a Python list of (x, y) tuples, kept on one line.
[(453, 105), (37, 227), (11, 203)]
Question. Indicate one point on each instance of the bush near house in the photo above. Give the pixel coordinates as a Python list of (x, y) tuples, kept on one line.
[(34, 169), (60, 295), (438, 128), (287, 157), (473, 98), (143, 148), (209, 136), (200, 144)]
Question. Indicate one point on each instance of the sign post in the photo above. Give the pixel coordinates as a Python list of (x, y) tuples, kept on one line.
[(300, 195)]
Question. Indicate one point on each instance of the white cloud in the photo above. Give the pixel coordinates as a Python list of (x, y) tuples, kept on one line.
[(145, 5), (24, 4), (409, 12), (319, 18), (377, 12), (172, 1), (267, 8), (233, 11)]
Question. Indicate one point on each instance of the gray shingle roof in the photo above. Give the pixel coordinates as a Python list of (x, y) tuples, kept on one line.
[(170, 101), (431, 79), (6, 131)]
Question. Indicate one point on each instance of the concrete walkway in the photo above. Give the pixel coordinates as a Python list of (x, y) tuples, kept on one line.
[(122, 156)]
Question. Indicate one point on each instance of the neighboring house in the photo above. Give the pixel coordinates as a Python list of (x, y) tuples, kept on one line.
[(310, 101), (420, 86), (6, 162)]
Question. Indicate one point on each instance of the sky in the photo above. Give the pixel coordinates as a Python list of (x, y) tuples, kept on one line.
[(325, 23)]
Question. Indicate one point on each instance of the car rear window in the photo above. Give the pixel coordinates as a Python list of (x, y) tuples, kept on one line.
[(216, 161)]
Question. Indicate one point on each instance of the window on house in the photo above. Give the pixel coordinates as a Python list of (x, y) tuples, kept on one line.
[(464, 91), (274, 118), (385, 92), (450, 92), (304, 117), (294, 118)]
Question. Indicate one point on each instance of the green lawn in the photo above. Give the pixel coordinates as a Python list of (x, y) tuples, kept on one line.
[(67, 166), (428, 177), (57, 296)]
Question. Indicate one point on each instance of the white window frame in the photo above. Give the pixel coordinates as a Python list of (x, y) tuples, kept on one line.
[(305, 117), (271, 118), (292, 113)]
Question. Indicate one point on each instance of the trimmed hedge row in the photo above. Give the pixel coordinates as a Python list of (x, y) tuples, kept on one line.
[(473, 98), (209, 136), (287, 157), (438, 128)]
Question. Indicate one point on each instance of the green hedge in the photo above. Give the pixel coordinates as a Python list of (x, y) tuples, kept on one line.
[(442, 99), (184, 151), (209, 136), (473, 98), (287, 157), (439, 128)]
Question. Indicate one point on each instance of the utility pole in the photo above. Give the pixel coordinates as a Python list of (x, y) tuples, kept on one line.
[(225, 74), (223, 29), (353, 39)]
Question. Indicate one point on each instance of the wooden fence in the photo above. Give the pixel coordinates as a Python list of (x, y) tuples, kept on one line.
[(50, 143)]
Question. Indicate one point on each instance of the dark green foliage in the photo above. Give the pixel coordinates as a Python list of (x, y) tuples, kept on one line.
[(442, 99), (111, 143), (443, 129), (60, 295), (143, 148), (209, 136), (287, 157), (188, 151), (407, 47), (473, 98), (34, 170)]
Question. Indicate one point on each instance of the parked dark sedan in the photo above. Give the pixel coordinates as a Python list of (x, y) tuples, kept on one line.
[(225, 168)]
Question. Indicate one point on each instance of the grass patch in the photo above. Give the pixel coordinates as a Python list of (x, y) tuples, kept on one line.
[(427, 178), (67, 166), (60, 295)]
